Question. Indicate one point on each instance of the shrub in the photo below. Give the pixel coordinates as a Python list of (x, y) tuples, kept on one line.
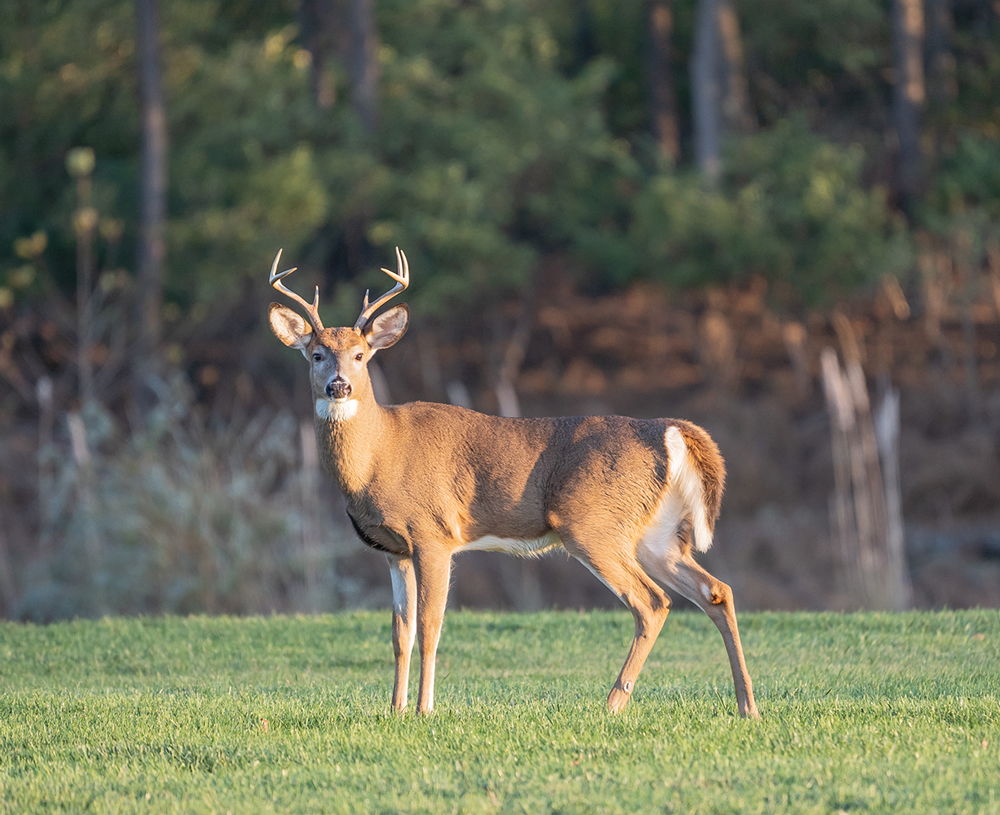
[(791, 207), (179, 517)]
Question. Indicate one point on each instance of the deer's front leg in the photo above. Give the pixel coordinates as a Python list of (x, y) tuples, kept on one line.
[(404, 629), (433, 570)]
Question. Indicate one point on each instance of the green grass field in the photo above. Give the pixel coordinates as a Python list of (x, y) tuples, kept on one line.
[(861, 713)]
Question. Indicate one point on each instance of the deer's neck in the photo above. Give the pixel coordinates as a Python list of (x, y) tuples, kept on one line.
[(349, 440)]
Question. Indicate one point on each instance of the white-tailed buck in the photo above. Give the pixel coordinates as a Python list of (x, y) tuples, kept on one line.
[(630, 499)]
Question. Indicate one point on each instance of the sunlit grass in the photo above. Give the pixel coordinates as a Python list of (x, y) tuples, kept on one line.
[(873, 713)]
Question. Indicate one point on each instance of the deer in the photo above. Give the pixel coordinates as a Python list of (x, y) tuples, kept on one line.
[(631, 499)]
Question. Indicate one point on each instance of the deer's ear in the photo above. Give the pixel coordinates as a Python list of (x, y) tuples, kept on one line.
[(388, 327), (289, 327)]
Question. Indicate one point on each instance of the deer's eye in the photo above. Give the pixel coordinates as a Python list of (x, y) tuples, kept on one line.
[(318, 357), (359, 356)]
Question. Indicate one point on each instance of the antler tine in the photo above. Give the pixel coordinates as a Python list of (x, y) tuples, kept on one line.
[(402, 278), (312, 309)]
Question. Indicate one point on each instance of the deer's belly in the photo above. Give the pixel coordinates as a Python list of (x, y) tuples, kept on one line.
[(513, 546)]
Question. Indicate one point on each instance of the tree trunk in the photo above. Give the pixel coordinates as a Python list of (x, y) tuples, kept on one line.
[(660, 79), (986, 14), (706, 93), (866, 508), (908, 94), (584, 48), (8, 586), (311, 515), (152, 199), (81, 164), (942, 82), (886, 425), (316, 22), (719, 93), (362, 61), (736, 117)]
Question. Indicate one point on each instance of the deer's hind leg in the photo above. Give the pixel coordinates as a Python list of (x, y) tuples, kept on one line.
[(616, 567), (675, 567)]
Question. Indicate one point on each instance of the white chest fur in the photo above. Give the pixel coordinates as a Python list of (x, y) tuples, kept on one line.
[(338, 411)]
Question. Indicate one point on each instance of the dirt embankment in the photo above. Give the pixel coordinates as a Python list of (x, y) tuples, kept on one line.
[(727, 361), (724, 359)]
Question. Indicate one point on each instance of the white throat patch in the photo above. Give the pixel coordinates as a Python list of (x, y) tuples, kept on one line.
[(338, 411)]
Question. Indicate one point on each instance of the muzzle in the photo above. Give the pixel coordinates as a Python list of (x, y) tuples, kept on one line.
[(338, 388)]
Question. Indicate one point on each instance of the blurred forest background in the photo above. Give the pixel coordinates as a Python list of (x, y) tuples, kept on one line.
[(777, 219)]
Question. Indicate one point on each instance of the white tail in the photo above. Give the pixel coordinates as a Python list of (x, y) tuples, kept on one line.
[(687, 482), (628, 498)]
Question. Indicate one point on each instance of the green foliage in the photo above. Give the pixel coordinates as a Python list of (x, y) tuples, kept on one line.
[(247, 177), (977, 63), (820, 58), (618, 30), (509, 130), (486, 156), (791, 208), (873, 712), (492, 156), (65, 81), (969, 178)]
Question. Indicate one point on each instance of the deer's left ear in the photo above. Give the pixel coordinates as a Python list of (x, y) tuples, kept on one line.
[(387, 328)]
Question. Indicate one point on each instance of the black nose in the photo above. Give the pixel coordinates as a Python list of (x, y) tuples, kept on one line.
[(338, 388)]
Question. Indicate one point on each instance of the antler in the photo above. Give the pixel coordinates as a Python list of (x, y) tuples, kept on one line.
[(312, 310), (402, 278)]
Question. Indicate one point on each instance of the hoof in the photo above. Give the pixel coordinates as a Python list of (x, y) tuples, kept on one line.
[(617, 700)]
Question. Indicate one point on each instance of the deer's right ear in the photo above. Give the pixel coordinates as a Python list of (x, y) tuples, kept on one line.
[(289, 327)]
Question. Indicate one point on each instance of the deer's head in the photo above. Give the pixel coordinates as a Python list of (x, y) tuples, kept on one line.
[(339, 356)]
